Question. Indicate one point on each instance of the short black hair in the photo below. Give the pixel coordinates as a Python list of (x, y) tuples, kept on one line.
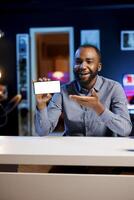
[(92, 46)]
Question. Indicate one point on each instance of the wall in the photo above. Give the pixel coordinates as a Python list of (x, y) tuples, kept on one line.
[(109, 21)]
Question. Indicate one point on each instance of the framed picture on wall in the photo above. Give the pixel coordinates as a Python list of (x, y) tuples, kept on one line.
[(127, 40), (90, 37)]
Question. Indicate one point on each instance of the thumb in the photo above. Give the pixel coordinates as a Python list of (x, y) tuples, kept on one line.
[(94, 93)]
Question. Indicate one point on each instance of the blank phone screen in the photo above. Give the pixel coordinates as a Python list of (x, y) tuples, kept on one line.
[(44, 87)]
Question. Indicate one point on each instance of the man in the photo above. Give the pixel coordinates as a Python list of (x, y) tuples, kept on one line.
[(91, 104)]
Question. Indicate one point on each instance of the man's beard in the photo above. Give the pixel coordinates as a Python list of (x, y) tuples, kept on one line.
[(92, 75)]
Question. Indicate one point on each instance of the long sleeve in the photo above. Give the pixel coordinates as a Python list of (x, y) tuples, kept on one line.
[(46, 120), (79, 120), (117, 119)]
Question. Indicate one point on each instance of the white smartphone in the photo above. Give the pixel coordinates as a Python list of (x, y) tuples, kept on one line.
[(44, 87)]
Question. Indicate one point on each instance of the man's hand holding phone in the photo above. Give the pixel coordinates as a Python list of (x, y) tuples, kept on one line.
[(43, 89)]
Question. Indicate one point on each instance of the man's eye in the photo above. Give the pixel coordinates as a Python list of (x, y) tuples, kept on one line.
[(89, 61), (78, 62)]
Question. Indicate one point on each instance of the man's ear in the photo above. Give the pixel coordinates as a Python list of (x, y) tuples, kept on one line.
[(99, 67)]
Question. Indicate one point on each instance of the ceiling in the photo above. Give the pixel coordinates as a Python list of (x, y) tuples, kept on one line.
[(66, 4)]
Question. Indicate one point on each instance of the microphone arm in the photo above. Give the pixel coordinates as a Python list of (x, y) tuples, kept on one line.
[(4, 111)]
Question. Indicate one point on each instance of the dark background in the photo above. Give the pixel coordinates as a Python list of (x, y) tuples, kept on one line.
[(110, 17)]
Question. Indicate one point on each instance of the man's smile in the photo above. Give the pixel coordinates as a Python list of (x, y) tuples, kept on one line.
[(84, 74)]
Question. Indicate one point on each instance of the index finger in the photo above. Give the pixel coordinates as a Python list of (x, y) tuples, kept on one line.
[(76, 97)]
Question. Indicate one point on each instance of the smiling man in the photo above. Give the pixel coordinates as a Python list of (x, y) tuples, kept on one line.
[(92, 105)]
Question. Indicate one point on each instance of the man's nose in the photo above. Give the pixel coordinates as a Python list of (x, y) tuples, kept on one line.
[(83, 64)]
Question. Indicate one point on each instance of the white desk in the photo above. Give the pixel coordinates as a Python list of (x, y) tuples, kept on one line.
[(85, 151)]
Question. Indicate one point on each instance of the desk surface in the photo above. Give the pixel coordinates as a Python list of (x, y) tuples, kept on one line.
[(55, 150)]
